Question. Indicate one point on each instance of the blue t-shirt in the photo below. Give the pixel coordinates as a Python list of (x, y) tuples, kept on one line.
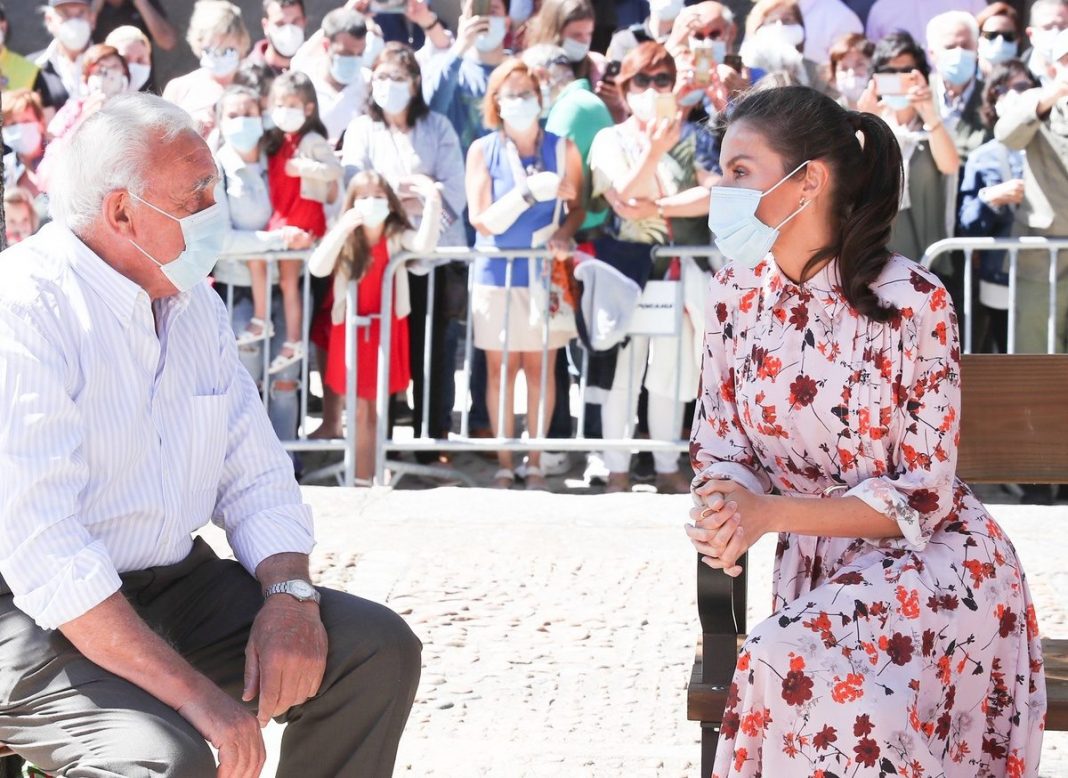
[(457, 90), (491, 272)]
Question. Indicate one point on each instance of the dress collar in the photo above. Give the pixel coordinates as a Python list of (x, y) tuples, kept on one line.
[(824, 287)]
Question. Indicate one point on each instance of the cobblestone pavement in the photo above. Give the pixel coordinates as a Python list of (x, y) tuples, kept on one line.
[(559, 630)]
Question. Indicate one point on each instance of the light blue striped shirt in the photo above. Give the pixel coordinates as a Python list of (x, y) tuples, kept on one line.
[(116, 443)]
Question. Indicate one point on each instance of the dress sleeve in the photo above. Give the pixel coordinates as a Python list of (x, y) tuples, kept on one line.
[(918, 489), (719, 446)]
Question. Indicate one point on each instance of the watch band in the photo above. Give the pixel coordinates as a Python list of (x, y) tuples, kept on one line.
[(297, 588)]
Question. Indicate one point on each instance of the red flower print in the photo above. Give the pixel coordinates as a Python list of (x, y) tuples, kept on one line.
[(1016, 766), (850, 578), (726, 387), (803, 391), (938, 300), (739, 759), (928, 640), (825, 737), (849, 689), (920, 284), (770, 367), (799, 317), (940, 332), (721, 312), (909, 601), (899, 649), (1006, 621), (796, 687), (862, 726), (867, 751)]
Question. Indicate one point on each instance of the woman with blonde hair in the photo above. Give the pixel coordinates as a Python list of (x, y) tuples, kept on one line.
[(134, 47), (219, 39)]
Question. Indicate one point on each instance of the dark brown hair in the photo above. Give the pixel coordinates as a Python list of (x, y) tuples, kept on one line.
[(853, 41), (355, 254), (1000, 9), (294, 82), (997, 84), (801, 124), (394, 53), (547, 26), (101, 51)]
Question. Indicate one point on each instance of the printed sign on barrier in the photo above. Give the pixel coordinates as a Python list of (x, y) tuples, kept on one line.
[(658, 309)]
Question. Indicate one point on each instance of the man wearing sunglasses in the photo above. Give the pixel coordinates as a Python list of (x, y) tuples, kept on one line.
[(952, 48)]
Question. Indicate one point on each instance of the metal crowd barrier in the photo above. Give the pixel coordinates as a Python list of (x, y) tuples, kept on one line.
[(345, 473), (462, 441), (1013, 246)]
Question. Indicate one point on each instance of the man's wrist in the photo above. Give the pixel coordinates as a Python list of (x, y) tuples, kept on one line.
[(432, 25)]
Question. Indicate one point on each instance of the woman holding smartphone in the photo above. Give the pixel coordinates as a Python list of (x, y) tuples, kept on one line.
[(646, 170), (899, 94)]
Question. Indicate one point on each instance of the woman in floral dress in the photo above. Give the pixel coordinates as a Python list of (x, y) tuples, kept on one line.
[(904, 640)]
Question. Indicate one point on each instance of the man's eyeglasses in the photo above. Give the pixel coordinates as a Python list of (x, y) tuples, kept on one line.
[(1010, 37), (660, 80), (712, 35), (894, 70)]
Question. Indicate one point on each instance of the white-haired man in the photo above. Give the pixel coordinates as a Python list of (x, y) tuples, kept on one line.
[(1047, 18), (126, 423), (953, 50)]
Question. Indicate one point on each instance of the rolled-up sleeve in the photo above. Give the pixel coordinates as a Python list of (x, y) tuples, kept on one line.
[(919, 490), (719, 446), (55, 568), (259, 503)]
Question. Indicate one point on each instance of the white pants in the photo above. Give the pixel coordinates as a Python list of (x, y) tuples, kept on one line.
[(620, 409)]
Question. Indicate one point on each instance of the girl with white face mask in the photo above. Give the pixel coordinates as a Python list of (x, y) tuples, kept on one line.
[(402, 139), (371, 229), (646, 170), (523, 189), (134, 47), (104, 75), (569, 25)]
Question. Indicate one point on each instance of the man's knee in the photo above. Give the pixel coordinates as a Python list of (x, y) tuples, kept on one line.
[(151, 747), (366, 632)]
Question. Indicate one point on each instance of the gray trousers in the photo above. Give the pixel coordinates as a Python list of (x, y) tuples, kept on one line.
[(72, 718)]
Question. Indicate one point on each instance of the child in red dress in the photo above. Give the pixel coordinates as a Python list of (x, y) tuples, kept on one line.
[(372, 228), (303, 173)]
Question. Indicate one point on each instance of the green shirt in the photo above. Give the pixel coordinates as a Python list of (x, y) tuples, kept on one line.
[(578, 115)]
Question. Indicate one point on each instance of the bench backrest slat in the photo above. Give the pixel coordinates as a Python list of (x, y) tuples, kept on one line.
[(1014, 423)]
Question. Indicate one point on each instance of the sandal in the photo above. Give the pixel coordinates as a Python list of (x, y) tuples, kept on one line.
[(536, 480), (248, 337), (282, 361), (503, 478)]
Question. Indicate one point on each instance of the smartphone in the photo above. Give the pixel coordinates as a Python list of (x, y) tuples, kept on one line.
[(480, 7), (612, 70), (890, 83), (388, 6), (704, 59), (734, 62), (666, 107)]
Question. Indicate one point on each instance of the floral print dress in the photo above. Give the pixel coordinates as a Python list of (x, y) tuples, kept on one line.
[(916, 656)]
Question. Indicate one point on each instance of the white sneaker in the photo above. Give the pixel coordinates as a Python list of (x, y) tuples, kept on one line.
[(555, 462), (596, 473)]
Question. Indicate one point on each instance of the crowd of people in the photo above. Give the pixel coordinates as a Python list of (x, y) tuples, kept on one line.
[(539, 125)]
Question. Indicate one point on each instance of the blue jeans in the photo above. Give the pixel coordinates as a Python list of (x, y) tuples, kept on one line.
[(282, 405)]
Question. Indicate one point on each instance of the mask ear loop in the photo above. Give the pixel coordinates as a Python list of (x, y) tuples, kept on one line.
[(786, 178)]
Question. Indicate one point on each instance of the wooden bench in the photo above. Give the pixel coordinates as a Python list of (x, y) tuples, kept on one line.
[(1014, 430)]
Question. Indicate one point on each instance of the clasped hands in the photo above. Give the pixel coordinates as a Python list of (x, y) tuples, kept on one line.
[(727, 519)]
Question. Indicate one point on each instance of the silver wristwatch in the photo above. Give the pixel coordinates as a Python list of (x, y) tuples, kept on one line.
[(297, 588)]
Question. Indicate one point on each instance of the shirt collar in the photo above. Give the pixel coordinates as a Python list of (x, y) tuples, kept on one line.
[(117, 291), (778, 290)]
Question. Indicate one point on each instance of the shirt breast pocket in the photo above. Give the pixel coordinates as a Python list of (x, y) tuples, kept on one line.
[(206, 442)]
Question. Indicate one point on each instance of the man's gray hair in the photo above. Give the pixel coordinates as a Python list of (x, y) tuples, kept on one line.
[(110, 150), (344, 20), (950, 19), (544, 55)]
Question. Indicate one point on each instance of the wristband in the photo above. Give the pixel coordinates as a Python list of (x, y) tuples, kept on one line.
[(432, 25)]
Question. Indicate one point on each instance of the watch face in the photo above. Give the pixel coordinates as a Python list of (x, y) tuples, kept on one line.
[(302, 588)]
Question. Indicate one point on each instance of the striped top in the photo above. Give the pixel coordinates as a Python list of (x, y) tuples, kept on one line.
[(117, 443)]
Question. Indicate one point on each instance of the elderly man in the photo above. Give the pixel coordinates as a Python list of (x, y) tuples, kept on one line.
[(70, 23), (126, 422), (952, 47)]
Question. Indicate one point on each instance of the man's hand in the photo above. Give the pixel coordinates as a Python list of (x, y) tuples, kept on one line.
[(285, 657), (1007, 193), (230, 728)]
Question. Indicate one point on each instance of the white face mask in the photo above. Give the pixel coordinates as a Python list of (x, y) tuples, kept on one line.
[(204, 233), (793, 34), (1043, 40), (643, 104), (138, 75), (286, 38), (574, 50), (520, 113), (996, 51), (108, 85), (74, 33), (221, 64), (849, 85), (373, 210), (288, 119), (494, 37), (242, 132), (344, 68), (740, 235), (23, 138), (391, 96)]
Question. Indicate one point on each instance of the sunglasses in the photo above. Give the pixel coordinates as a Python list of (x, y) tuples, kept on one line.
[(1010, 37), (894, 70), (714, 35), (660, 80)]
